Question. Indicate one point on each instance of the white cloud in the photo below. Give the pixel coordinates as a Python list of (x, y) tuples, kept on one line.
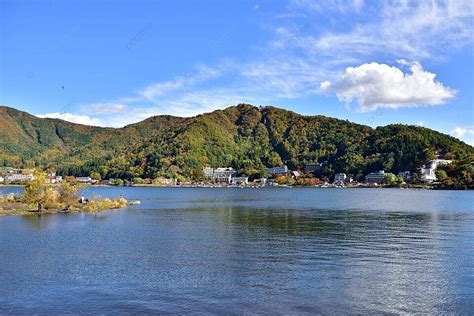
[(159, 89), (315, 41), (410, 29), (329, 5), (73, 118), (106, 108), (464, 133), (382, 86), (460, 132)]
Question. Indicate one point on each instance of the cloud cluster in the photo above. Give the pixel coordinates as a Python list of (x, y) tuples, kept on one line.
[(376, 86), (159, 89), (74, 118), (464, 133), (106, 108), (301, 53)]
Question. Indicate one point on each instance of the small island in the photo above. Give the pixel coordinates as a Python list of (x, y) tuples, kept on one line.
[(41, 198)]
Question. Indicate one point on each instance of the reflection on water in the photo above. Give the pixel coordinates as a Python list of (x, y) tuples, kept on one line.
[(246, 251)]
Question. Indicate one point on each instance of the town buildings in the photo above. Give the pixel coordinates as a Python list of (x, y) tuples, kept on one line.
[(428, 171), (19, 178), (239, 180), (53, 178), (340, 178), (277, 171), (220, 175), (84, 179), (376, 177)]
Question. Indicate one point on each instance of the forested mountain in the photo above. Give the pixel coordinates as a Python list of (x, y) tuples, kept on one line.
[(245, 137)]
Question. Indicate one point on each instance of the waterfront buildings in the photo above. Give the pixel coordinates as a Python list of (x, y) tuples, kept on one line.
[(84, 179), (376, 177), (428, 171), (221, 175), (19, 178), (239, 180), (277, 171), (340, 178)]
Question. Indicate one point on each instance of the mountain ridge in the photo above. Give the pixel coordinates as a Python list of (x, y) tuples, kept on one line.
[(243, 136)]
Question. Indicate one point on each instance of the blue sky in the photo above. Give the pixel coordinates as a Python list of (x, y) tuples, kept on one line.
[(112, 63)]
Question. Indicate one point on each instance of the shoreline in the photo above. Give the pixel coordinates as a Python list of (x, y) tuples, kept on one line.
[(83, 186)]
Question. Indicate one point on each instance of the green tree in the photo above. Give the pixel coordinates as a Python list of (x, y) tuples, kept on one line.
[(138, 180), (441, 175), (34, 189), (391, 179), (95, 176)]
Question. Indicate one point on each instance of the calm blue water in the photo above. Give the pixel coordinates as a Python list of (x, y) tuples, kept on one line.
[(236, 251)]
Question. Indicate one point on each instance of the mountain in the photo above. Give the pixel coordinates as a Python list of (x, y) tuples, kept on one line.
[(245, 137)]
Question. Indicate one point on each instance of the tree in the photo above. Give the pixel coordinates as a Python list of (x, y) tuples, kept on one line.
[(68, 194), (441, 175), (391, 179), (34, 189), (138, 180), (95, 176), (116, 182)]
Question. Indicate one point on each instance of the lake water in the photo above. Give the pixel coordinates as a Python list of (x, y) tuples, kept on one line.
[(235, 251)]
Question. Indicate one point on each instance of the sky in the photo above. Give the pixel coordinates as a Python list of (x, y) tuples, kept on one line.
[(112, 63)]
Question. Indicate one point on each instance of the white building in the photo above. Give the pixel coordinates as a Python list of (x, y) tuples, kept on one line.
[(84, 179), (2, 179), (219, 174), (239, 180), (428, 171), (223, 174), (376, 177), (18, 177), (339, 178)]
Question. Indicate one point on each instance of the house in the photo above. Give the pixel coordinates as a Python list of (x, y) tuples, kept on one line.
[(428, 171), (84, 179), (340, 178), (376, 177), (406, 175), (295, 174), (53, 178), (2, 179), (223, 174), (313, 167), (349, 178), (219, 174), (277, 171), (239, 180), (165, 181), (18, 177)]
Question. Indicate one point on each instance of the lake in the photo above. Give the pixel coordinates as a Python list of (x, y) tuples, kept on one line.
[(237, 251)]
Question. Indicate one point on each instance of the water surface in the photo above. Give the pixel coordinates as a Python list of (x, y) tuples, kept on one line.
[(233, 251)]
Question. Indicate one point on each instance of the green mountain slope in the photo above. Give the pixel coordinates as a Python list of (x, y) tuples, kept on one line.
[(245, 137)]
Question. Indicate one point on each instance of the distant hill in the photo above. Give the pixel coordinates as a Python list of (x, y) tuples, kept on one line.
[(245, 137)]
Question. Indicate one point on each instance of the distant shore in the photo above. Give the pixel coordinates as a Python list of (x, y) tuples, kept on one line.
[(200, 185)]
